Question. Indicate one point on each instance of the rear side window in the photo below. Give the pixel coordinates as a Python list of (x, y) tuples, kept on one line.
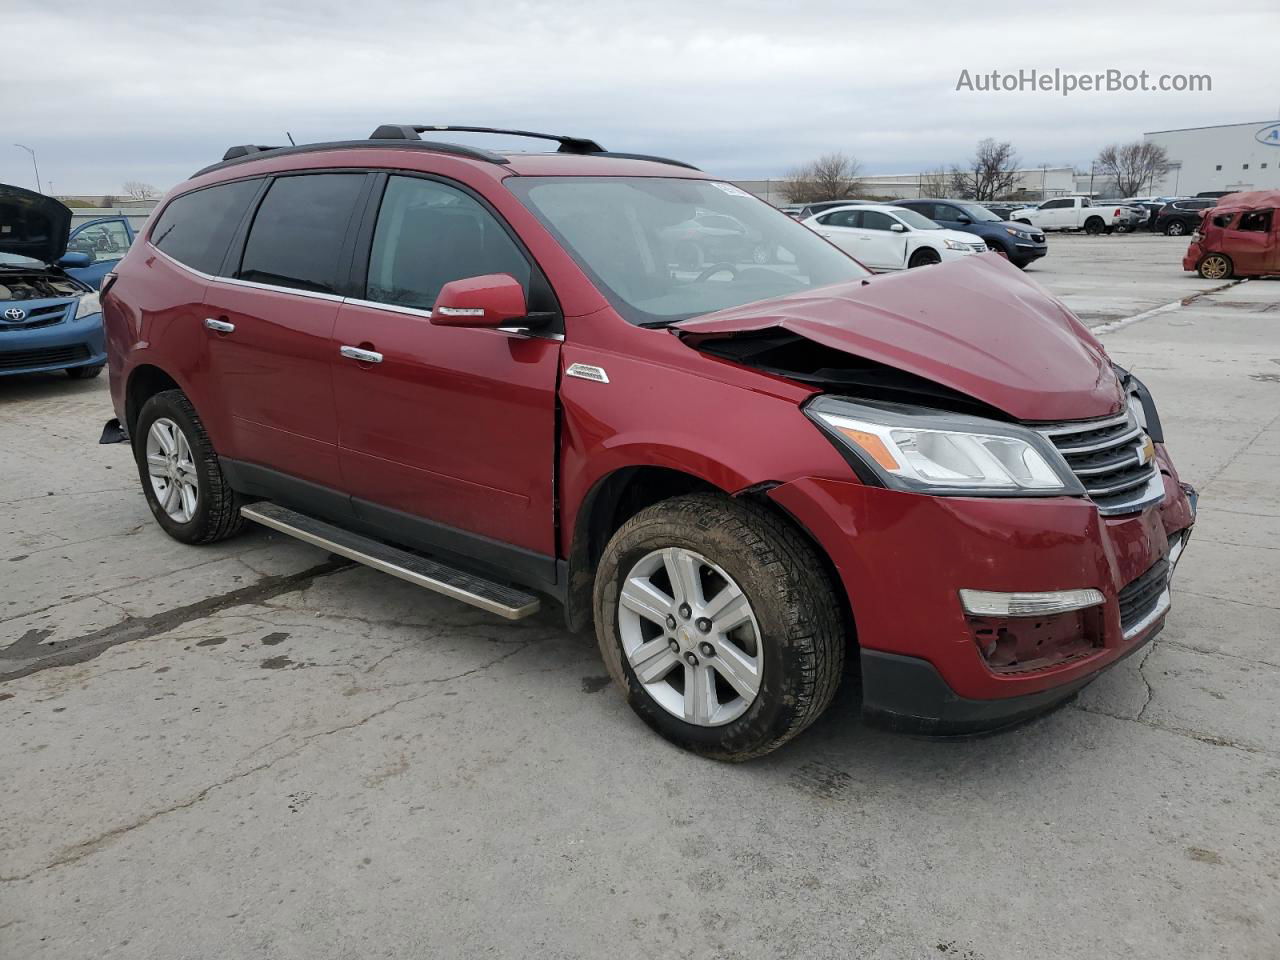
[(299, 230), (428, 234), (196, 228)]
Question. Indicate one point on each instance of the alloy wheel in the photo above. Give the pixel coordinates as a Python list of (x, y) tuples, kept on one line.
[(1214, 267), (172, 469), (690, 636)]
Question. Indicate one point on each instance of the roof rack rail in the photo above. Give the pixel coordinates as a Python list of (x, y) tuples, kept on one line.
[(405, 131), (234, 153)]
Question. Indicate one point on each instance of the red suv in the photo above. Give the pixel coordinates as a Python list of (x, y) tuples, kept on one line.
[(498, 377)]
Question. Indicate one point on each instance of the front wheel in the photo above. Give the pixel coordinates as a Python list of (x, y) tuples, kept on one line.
[(181, 477), (924, 257), (718, 621), (1216, 266), (993, 246)]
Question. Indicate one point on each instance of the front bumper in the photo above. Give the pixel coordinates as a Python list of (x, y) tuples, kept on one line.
[(59, 346), (1025, 252), (902, 559)]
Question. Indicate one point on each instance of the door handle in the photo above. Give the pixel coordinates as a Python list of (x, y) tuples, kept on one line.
[(221, 326), (364, 356)]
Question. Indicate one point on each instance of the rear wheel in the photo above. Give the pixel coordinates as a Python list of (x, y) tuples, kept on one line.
[(1216, 266), (1176, 228), (181, 477), (717, 620), (924, 257), (84, 373), (1093, 226)]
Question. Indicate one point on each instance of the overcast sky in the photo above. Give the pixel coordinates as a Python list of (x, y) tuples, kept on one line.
[(151, 90)]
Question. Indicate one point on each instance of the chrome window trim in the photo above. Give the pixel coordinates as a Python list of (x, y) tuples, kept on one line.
[(334, 298)]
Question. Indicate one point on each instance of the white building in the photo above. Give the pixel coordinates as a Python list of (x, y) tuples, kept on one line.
[(1032, 183), (1231, 156)]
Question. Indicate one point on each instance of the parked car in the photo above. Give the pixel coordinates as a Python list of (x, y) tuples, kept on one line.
[(104, 241), (1133, 215), (892, 237), (1150, 209), (803, 211), (1020, 244), (49, 320), (1072, 213), (1240, 237), (1182, 217), (709, 238), (1002, 210), (475, 371)]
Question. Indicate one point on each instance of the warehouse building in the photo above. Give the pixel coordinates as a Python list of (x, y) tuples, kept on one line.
[(1231, 156)]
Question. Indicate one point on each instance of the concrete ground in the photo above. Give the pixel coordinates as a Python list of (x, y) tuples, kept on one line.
[(250, 750)]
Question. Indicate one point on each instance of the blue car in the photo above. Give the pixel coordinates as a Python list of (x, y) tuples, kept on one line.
[(1020, 242), (49, 320), (105, 241)]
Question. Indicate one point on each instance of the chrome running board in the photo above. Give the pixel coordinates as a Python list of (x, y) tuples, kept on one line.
[(505, 601)]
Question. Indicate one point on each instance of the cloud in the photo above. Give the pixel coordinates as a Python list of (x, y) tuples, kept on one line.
[(744, 89)]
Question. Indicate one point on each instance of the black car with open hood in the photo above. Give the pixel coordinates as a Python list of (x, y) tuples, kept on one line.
[(32, 225)]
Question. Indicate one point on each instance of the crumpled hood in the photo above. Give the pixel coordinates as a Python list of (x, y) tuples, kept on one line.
[(32, 225), (976, 325)]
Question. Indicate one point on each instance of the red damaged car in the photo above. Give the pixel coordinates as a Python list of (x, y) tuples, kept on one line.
[(1239, 237), (494, 376)]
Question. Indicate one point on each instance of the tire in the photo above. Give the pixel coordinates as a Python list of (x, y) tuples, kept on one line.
[(1175, 228), (794, 622), (1215, 266), (924, 257), (85, 373), (216, 512), (1093, 226), (994, 246)]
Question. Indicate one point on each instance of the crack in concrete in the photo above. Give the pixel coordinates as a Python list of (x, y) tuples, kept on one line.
[(1147, 683), (86, 848), (91, 645), (1209, 738)]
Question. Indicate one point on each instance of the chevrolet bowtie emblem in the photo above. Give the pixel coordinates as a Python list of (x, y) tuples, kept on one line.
[(1146, 452)]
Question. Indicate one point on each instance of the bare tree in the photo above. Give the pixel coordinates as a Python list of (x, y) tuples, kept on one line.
[(833, 176), (991, 172), (1133, 165), (137, 190), (935, 183)]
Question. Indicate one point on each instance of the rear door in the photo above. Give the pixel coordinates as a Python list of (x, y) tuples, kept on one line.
[(271, 328), (1249, 240), (448, 441)]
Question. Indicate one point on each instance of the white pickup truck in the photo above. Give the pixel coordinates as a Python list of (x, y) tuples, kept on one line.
[(1071, 213)]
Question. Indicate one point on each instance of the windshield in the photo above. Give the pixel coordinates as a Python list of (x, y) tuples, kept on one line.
[(917, 221), (663, 250), (979, 214), (14, 260)]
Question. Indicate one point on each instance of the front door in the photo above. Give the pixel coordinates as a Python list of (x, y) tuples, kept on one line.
[(105, 241), (271, 327), (886, 247), (448, 439)]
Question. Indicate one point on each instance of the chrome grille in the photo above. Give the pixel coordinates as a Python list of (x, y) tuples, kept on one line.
[(1109, 457)]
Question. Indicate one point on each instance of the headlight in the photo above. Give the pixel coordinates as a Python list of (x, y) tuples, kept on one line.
[(1020, 234), (957, 245), (89, 303), (935, 452)]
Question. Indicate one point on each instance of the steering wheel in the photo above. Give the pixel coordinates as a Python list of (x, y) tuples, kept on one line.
[(715, 268)]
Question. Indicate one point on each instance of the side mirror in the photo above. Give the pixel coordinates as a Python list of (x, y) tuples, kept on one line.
[(75, 260), (898, 228), (963, 219), (493, 300)]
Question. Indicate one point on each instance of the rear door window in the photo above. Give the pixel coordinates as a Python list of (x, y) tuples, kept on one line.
[(196, 228), (299, 232), (430, 233)]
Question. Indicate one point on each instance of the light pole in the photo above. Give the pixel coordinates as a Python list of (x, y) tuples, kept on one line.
[(39, 189)]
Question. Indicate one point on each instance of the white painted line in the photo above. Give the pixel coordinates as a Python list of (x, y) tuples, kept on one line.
[(1115, 325)]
